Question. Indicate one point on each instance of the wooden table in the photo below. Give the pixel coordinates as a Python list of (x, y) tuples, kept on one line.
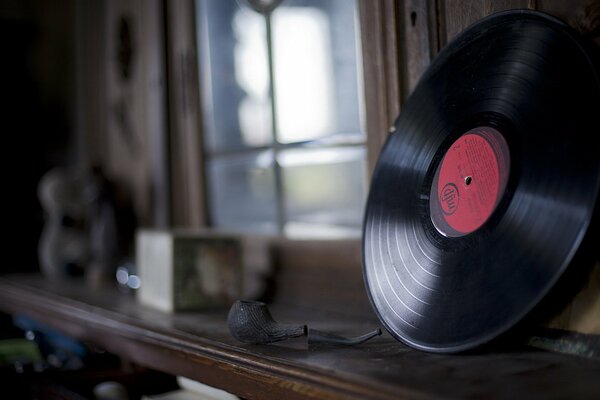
[(198, 346)]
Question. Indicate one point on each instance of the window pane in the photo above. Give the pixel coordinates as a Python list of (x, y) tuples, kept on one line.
[(241, 192), (318, 187), (315, 69), (234, 71), (324, 190)]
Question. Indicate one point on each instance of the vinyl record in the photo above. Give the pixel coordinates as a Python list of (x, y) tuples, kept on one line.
[(484, 192)]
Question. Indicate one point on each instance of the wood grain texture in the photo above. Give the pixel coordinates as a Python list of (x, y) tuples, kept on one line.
[(417, 35), (392, 12), (380, 71), (323, 275), (198, 346), (155, 114), (565, 10), (459, 14), (187, 162), (583, 15)]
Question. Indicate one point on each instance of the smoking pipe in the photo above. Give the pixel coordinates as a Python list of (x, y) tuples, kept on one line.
[(252, 322)]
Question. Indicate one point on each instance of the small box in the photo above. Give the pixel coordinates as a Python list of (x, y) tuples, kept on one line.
[(182, 271)]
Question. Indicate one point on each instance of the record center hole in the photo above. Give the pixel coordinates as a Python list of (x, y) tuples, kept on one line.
[(468, 180)]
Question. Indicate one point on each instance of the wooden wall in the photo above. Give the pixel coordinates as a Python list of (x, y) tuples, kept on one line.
[(401, 37)]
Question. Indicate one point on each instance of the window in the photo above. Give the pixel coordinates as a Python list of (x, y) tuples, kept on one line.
[(282, 114)]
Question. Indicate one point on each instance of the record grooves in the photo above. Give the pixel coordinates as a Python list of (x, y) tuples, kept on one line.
[(482, 195)]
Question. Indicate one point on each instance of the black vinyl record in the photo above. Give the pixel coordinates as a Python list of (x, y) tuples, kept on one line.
[(482, 195)]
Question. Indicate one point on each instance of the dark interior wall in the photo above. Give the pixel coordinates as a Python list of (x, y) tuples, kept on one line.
[(37, 88)]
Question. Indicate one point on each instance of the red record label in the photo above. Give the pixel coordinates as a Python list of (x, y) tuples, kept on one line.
[(469, 182)]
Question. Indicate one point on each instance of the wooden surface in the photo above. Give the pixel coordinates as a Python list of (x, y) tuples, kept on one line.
[(419, 41), (197, 345), (321, 274), (459, 14), (185, 126), (381, 71)]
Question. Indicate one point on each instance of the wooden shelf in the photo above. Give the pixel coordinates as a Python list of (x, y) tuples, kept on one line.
[(198, 346)]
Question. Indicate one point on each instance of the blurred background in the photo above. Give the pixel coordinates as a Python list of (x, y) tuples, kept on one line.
[(37, 75), (247, 116)]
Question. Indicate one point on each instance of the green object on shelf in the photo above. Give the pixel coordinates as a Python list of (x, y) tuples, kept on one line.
[(18, 350)]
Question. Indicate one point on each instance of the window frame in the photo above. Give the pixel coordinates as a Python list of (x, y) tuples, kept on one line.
[(189, 186), (395, 53)]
